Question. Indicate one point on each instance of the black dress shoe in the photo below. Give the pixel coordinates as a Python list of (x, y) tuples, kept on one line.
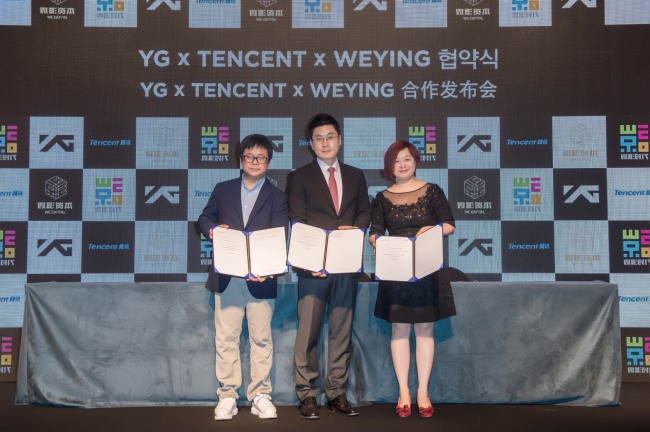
[(309, 408), (341, 405)]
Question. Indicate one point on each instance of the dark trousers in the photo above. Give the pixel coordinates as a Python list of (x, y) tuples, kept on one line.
[(337, 294)]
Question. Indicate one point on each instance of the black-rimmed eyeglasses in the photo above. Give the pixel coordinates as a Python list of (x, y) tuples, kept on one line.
[(319, 139), (251, 158)]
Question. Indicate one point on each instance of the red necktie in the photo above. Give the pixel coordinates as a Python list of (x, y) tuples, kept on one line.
[(334, 192)]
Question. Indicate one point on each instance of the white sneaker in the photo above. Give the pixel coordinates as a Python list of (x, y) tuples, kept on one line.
[(263, 407), (226, 408)]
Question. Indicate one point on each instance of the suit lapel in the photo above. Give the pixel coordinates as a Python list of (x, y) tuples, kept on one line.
[(237, 200), (347, 186)]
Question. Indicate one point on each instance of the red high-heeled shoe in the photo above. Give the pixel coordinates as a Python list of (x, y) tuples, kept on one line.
[(403, 411), (426, 412)]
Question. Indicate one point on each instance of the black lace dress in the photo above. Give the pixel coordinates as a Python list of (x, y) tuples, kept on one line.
[(403, 214)]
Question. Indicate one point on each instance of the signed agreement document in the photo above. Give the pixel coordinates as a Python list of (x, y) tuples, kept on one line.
[(408, 259), (329, 252), (249, 254)]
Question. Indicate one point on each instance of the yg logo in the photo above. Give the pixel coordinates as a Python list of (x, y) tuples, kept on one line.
[(589, 192), (66, 142), (154, 193), (484, 246), (174, 5), (483, 142), (588, 3), (64, 246), (379, 5)]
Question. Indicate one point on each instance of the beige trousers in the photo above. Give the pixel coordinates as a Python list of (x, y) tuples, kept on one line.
[(230, 307)]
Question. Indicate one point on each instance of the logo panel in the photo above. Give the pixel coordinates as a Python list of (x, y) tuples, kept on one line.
[(430, 14), (14, 194), (55, 194), (580, 194), (108, 242), (317, 14), (628, 144), (9, 351), (628, 193), (528, 247), (108, 147), (13, 247), (527, 194), (162, 143), (473, 142), (12, 300), (212, 146), (365, 140), (476, 247), (581, 246), (474, 194), (215, 14), (525, 13), (110, 13), (161, 195), (526, 143), (56, 142), (266, 11), (13, 152), (636, 354), (16, 13), (579, 142), (109, 195), (625, 12), (629, 246), (54, 248), (634, 299), (161, 247)]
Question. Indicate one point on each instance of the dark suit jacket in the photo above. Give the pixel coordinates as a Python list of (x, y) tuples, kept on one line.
[(224, 207), (310, 201)]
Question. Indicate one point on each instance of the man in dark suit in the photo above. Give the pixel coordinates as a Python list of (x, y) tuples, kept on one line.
[(248, 203), (344, 205)]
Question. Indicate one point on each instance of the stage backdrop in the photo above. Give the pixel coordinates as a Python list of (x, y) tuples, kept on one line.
[(118, 117)]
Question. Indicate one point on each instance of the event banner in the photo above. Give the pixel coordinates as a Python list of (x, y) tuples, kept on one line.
[(117, 118)]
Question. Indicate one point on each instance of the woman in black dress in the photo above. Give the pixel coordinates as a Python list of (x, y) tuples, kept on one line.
[(408, 208)]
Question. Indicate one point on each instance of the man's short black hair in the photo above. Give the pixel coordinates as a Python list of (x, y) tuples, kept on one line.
[(323, 119), (256, 140)]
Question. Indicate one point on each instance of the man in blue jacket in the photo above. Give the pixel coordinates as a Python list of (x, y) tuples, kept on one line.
[(247, 203)]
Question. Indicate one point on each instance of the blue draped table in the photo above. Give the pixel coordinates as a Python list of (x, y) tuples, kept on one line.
[(146, 344)]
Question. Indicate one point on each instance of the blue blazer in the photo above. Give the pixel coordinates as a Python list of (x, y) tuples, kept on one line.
[(224, 207)]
